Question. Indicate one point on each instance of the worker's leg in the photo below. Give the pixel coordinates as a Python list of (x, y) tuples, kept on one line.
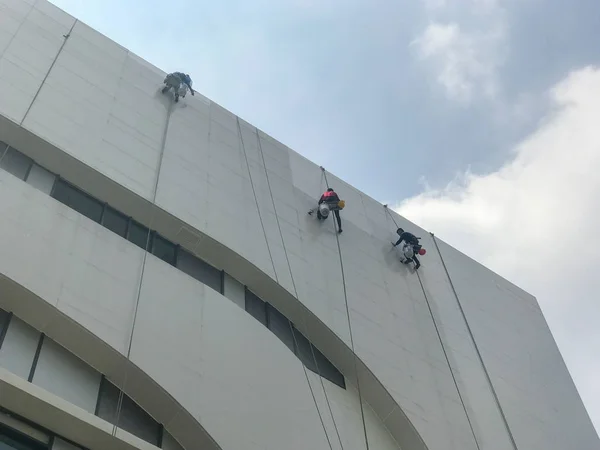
[(339, 220), (417, 263)]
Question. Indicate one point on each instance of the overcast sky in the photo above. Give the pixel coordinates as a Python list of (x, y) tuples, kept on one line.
[(478, 119)]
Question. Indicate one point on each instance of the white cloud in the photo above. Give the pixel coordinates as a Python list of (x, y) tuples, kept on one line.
[(537, 221), (464, 61)]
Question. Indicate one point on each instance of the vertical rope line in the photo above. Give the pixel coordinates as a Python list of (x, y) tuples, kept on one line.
[(256, 198), (66, 37), (119, 406), (480, 357), (304, 320), (362, 411), (439, 335)]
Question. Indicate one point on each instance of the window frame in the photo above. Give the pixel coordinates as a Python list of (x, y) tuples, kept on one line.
[(59, 180)]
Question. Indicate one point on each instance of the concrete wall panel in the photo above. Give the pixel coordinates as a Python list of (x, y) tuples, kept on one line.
[(19, 347), (227, 182), (62, 373)]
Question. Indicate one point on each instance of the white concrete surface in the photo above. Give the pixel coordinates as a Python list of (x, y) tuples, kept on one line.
[(18, 348), (243, 199), (62, 373), (206, 343)]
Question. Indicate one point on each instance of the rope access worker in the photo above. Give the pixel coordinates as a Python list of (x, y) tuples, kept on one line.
[(409, 246), (330, 201), (179, 82)]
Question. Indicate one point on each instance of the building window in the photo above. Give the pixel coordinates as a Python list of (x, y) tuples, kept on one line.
[(13, 440), (314, 360), (115, 221), (256, 307), (164, 249), (78, 200), (16, 163), (41, 179), (280, 325), (132, 417), (139, 234), (4, 322), (200, 270)]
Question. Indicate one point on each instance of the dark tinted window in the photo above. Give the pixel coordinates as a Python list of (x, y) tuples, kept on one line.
[(15, 162), (12, 440), (132, 418), (200, 270), (115, 221), (280, 326), (4, 322), (314, 360), (78, 200), (327, 370), (256, 307), (304, 351), (164, 249), (138, 234)]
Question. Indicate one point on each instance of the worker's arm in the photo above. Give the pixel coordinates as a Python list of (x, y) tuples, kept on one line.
[(398, 242)]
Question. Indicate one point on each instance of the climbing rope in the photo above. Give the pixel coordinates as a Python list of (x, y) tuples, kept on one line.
[(362, 411), (297, 297), (119, 405), (439, 335), (487, 375), (243, 146)]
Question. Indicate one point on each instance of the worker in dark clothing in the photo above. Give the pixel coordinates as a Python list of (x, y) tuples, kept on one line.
[(179, 82), (409, 246), (333, 203)]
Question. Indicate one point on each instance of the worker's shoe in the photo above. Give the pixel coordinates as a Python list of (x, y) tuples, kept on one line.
[(340, 230)]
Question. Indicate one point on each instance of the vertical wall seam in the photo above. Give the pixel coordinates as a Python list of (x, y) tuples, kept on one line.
[(479, 355), (66, 37)]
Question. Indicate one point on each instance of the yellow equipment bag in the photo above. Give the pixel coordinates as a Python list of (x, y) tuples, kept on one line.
[(341, 204)]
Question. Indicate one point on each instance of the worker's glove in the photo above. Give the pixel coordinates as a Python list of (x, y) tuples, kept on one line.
[(393, 244)]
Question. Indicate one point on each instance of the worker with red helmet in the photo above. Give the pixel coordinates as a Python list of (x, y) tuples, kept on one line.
[(332, 200)]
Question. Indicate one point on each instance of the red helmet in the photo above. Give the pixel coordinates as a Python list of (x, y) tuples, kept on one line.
[(422, 251)]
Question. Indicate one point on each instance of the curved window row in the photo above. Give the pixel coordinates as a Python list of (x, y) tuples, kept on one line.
[(35, 357), (24, 168), (19, 434), (285, 330)]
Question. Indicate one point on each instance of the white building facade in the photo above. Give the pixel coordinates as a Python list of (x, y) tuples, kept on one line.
[(162, 286)]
